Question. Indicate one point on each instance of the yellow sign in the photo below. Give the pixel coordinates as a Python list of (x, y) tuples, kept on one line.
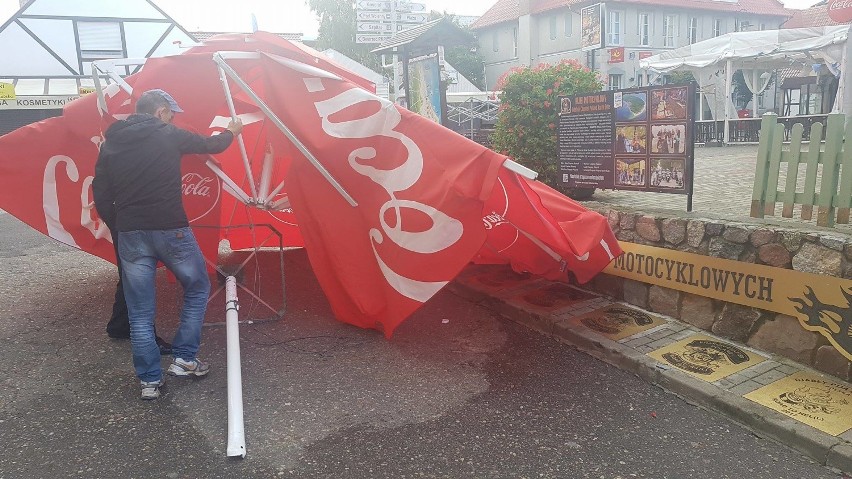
[(706, 358), (822, 303), (811, 399), (7, 91), (617, 321), (84, 90)]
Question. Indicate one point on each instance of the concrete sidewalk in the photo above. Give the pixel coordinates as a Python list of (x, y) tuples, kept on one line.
[(557, 309)]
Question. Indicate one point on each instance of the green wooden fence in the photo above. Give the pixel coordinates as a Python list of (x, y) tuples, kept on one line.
[(834, 197)]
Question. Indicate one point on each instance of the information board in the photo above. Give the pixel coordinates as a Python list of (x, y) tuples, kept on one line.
[(634, 139)]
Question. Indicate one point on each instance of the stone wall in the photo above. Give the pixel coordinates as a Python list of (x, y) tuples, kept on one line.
[(822, 252)]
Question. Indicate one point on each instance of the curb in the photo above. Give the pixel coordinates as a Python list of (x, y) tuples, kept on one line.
[(828, 450)]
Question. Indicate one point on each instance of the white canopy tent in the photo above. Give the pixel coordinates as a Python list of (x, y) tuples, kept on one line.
[(713, 62)]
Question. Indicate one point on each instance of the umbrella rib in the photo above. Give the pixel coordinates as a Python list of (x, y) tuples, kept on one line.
[(224, 67)]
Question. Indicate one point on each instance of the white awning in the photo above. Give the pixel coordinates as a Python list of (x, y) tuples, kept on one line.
[(767, 49)]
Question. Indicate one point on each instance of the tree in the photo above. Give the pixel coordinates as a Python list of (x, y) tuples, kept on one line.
[(526, 126), (337, 30), (464, 58)]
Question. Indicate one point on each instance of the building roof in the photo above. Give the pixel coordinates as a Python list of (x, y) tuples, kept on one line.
[(425, 38), (508, 10), (816, 16)]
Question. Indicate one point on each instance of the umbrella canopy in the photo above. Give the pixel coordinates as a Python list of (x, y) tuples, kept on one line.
[(389, 205)]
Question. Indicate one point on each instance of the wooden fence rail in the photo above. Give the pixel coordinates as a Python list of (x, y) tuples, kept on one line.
[(834, 197)]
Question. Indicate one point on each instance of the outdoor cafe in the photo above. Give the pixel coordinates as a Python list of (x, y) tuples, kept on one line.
[(797, 73)]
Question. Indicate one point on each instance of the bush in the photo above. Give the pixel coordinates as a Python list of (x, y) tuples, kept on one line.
[(526, 126)]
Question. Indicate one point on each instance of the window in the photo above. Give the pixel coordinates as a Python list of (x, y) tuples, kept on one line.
[(640, 80), (614, 30), (569, 24), (669, 30), (552, 24), (717, 27), (515, 42), (693, 30), (495, 42), (762, 26), (99, 41), (615, 82), (644, 29)]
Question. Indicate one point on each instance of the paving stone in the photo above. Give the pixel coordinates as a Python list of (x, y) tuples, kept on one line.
[(770, 377), (745, 387), (660, 343), (785, 368)]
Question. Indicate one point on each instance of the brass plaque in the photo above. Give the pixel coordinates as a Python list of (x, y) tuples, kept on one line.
[(706, 358), (811, 399), (617, 321)]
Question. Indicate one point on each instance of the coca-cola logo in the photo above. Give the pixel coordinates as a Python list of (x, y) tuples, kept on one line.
[(840, 10), (196, 185), (200, 188)]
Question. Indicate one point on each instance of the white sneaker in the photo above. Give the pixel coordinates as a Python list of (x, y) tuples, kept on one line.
[(151, 389), (179, 367)]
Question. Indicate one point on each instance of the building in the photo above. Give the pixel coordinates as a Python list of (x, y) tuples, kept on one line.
[(515, 33), (49, 45)]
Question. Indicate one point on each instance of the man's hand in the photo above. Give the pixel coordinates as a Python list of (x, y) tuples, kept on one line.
[(235, 126)]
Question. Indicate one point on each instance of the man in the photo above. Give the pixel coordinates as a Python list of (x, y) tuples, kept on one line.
[(138, 173)]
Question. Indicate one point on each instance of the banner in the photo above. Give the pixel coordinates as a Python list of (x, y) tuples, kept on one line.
[(591, 27), (425, 84), (822, 304)]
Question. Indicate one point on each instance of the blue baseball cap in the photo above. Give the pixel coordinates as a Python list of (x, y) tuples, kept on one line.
[(172, 103)]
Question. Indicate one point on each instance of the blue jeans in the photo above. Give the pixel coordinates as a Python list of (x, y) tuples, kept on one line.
[(139, 252)]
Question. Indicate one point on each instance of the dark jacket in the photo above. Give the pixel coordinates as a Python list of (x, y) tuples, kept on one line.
[(137, 184)]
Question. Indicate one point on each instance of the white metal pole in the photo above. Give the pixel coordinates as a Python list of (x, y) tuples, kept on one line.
[(233, 111), (236, 429), (729, 79), (265, 176)]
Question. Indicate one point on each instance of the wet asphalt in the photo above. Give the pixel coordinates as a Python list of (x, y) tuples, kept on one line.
[(456, 393)]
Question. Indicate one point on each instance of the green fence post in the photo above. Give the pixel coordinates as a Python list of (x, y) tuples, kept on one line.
[(767, 128), (828, 186)]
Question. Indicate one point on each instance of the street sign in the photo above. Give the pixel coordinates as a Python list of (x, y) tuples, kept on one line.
[(374, 16), (417, 18), (370, 27), (367, 38), (397, 5)]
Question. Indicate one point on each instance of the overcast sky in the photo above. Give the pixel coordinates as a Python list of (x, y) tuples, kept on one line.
[(283, 16)]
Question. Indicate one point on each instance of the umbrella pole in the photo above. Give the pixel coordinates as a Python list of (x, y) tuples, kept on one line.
[(236, 429)]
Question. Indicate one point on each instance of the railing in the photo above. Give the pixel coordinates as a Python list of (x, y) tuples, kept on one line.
[(747, 130), (835, 177), (481, 136), (471, 109)]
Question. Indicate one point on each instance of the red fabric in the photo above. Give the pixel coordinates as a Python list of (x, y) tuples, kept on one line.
[(421, 190), (534, 228), (418, 218)]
